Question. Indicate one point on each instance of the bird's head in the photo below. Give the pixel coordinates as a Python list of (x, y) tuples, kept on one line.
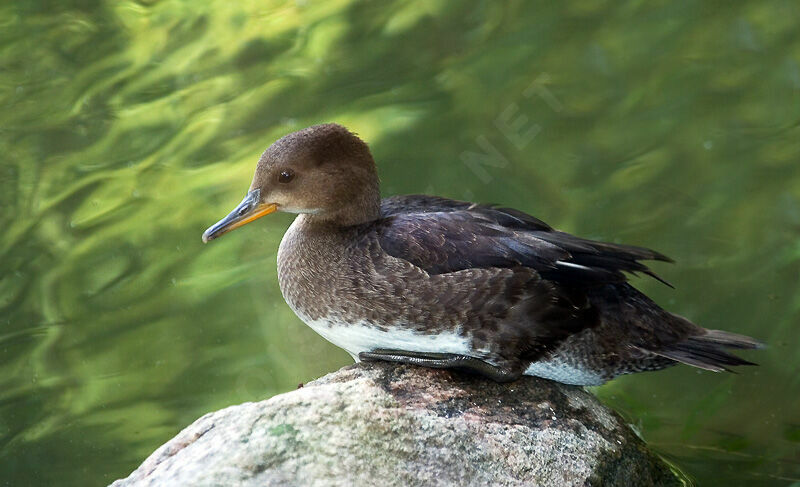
[(325, 171)]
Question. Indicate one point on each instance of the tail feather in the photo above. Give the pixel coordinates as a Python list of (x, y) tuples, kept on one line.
[(731, 340), (707, 351)]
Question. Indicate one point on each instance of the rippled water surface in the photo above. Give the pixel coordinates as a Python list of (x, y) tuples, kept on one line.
[(126, 128)]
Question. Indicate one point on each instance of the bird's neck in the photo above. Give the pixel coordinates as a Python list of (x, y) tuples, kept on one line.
[(361, 209)]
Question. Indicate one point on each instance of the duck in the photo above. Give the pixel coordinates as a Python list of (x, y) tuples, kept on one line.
[(434, 282)]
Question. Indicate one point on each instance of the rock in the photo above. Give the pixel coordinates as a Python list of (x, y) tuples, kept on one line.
[(394, 425)]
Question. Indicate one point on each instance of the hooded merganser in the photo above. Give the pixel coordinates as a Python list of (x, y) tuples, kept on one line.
[(450, 284)]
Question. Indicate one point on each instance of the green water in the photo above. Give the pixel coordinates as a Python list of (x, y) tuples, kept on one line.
[(126, 128)]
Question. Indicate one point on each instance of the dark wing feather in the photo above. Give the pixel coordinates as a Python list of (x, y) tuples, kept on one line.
[(418, 203), (442, 236)]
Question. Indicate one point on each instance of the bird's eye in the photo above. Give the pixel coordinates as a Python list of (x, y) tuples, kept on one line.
[(285, 176)]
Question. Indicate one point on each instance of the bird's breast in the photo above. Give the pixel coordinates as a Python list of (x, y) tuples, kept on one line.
[(335, 288)]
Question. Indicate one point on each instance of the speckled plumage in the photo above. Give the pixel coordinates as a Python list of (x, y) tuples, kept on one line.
[(435, 275)]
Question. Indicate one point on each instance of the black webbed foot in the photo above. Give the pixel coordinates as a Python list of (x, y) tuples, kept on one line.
[(442, 361)]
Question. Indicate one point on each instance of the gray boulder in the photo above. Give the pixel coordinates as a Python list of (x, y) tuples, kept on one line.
[(394, 425)]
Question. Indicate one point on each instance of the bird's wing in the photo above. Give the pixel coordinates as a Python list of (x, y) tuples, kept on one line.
[(442, 236)]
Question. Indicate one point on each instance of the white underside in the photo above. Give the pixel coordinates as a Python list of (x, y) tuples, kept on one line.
[(357, 338), (561, 372)]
